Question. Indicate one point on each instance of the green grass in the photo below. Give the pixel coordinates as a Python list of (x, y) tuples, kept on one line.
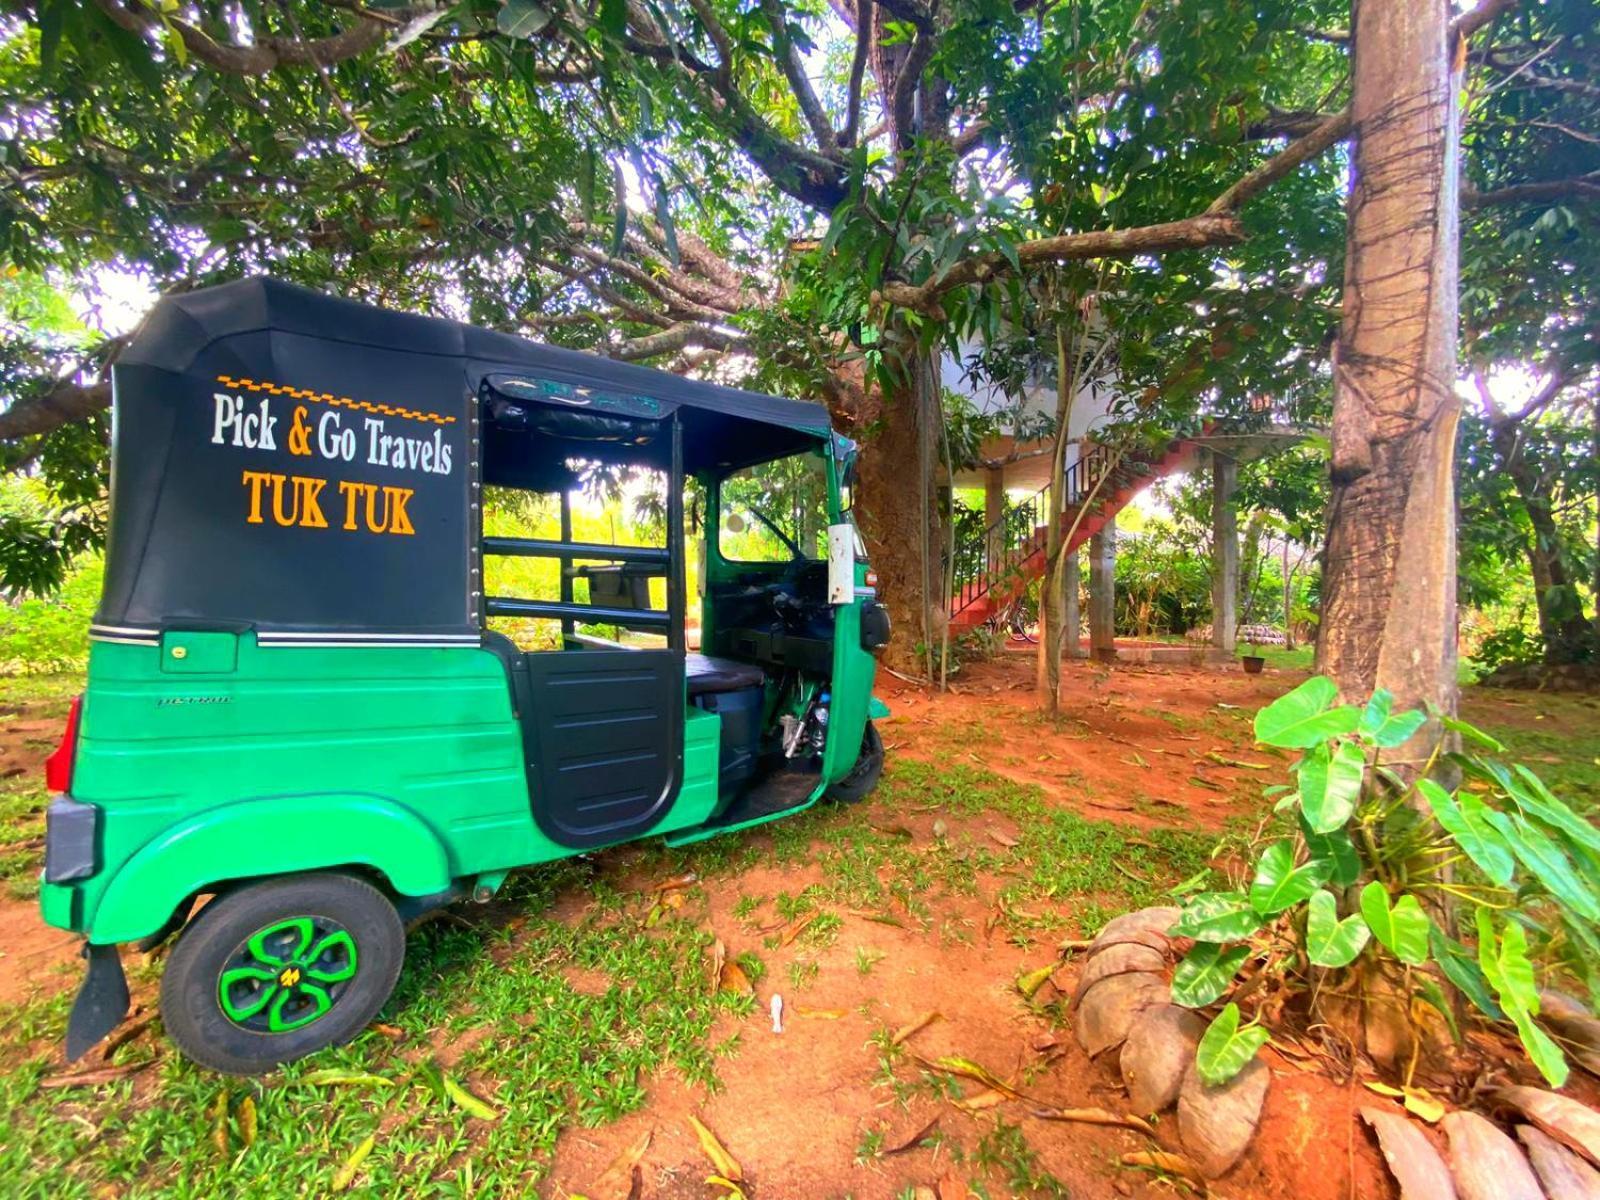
[(488, 992), (1556, 737)]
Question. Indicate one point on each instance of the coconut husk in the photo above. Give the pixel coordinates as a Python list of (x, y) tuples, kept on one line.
[(1157, 1054), (1109, 1008), (1142, 925), (1562, 1174), (1485, 1163), (1218, 1123), (1120, 958), (1416, 1166), (1574, 1125)]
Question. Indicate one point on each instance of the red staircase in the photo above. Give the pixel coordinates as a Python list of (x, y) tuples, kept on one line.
[(1099, 484)]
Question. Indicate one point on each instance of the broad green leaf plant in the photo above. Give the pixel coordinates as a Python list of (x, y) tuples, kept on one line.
[(1370, 856)]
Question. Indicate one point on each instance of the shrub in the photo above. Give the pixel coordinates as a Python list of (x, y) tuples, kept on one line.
[(52, 633), (1369, 853)]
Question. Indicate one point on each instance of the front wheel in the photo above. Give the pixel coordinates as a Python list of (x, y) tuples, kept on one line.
[(864, 776), (277, 970)]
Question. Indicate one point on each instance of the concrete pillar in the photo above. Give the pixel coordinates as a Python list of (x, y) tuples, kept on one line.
[(1224, 554), (994, 508), (1072, 635), (1102, 591)]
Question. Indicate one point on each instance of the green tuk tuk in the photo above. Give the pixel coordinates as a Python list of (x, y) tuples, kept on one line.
[(306, 722)]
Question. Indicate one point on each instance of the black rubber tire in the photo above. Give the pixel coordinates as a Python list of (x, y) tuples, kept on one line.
[(190, 1008), (863, 778)]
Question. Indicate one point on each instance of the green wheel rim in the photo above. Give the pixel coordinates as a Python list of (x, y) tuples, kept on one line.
[(286, 975)]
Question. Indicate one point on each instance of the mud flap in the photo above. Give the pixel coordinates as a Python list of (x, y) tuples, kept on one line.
[(102, 1000)]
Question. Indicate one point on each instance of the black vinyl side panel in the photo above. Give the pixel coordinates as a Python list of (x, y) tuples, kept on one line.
[(604, 737)]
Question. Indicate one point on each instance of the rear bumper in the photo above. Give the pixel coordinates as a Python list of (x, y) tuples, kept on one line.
[(71, 840), (61, 905)]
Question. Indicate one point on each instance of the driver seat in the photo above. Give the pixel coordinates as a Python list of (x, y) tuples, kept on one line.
[(707, 676)]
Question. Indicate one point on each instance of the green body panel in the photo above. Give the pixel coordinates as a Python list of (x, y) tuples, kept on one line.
[(270, 835), (213, 759), (404, 760)]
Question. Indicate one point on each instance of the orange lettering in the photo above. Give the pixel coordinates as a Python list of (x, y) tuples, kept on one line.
[(395, 509), (350, 491), (253, 480), (306, 501)]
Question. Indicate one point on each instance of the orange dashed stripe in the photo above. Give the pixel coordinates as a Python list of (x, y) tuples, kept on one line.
[(387, 410)]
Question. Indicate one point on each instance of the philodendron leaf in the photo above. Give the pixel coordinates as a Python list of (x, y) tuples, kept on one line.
[(1217, 917), (1464, 818), (1402, 929), (1547, 861), (1226, 1048), (1337, 849), (1303, 718), (1205, 973), (1382, 727), (1376, 712), (1331, 942), (1279, 884), (1330, 785), (1471, 732), (1461, 969), (1506, 966), (1535, 799)]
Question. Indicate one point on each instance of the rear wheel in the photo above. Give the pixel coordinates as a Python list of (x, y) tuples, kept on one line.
[(864, 776), (277, 970)]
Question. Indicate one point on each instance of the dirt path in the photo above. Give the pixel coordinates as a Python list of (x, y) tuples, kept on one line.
[(933, 897)]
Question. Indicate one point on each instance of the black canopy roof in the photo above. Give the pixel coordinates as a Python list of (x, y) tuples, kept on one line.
[(182, 327), (310, 468)]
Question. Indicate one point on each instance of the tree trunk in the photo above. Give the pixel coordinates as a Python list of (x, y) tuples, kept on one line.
[(888, 500), (1562, 625), (1389, 592), (1052, 591), (1389, 596)]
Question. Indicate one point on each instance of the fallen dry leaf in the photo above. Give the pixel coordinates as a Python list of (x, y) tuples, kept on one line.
[(622, 1179), (908, 1031), (682, 881), (93, 1078), (346, 1174), (726, 1165), (796, 927), (952, 1064), (733, 979), (1096, 1116), (1030, 983), (980, 1101), (912, 1141), (1005, 839), (1161, 1160), (821, 1014)]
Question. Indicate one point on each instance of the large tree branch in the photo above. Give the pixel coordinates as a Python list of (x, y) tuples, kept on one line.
[(1585, 187), (794, 70), (63, 404), (265, 53), (1218, 225), (1206, 229), (858, 68), (1470, 22), (676, 337), (1333, 130)]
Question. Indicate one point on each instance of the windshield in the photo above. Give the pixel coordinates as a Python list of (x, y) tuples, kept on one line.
[(775, 512)]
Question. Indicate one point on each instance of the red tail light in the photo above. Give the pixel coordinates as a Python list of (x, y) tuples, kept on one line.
[(58, 767)]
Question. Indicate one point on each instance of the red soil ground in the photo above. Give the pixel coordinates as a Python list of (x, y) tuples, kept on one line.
[(1146, 747)]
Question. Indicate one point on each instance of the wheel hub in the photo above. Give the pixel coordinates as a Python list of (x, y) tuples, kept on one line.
[(287, 974)]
